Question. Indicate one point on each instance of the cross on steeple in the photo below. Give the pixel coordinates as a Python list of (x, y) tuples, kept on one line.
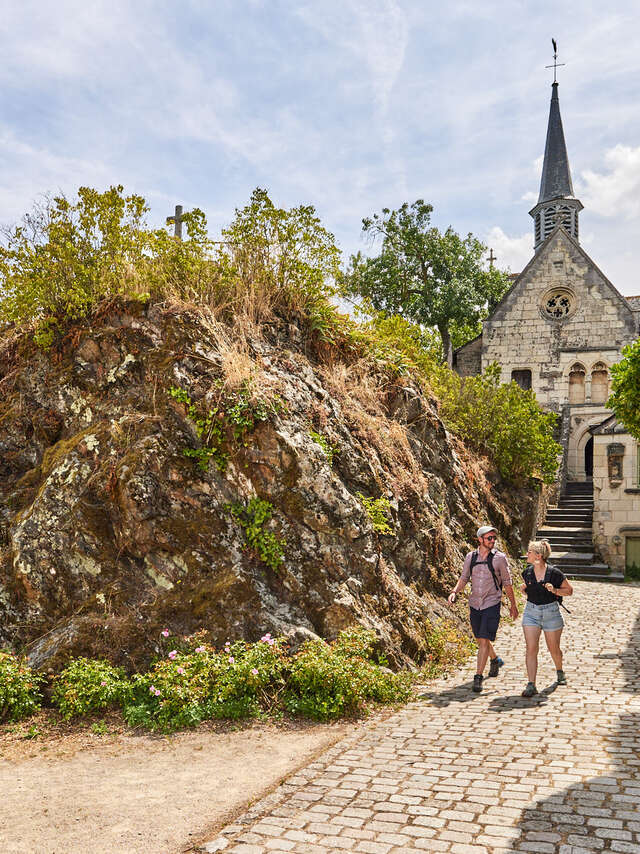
[(556, 64), (176, 219), (492, 258)]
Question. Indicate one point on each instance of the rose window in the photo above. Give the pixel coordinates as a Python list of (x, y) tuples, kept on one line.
[(558, 304)]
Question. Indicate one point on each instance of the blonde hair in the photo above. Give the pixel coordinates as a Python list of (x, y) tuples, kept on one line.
[(541, 547)]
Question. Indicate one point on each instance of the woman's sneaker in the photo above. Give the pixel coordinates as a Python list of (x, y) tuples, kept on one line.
[(494, 665), (477, 683), (561, 679), (530, 690)]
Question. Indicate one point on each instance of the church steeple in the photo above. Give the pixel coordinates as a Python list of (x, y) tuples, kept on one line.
[(556, 203)]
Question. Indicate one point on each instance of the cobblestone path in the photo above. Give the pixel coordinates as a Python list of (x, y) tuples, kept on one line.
[(476, 774)]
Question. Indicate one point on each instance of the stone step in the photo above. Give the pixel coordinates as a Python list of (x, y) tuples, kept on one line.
[(588, 575), (570, 530), (561, 546), (577, 570), (557, 515), (574, 486), (568, 524), (571, 556)]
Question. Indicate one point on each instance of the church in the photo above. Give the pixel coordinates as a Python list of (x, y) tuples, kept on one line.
[(558, 330)]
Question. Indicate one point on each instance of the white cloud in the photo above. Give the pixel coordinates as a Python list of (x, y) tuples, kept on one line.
[(615, 192), (512, 253)]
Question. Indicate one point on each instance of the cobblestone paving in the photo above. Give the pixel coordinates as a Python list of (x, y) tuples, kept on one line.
[(477, 774)]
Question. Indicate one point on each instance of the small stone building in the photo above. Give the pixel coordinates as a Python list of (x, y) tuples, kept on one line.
[(558, 330)]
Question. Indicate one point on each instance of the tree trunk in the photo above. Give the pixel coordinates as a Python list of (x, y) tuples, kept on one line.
[(447, 349)]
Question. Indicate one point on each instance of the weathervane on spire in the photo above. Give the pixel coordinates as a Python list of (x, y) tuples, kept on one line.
[(555, 60)]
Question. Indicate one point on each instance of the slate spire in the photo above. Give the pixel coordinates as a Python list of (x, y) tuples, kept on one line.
[(556, 202), (556, 175)]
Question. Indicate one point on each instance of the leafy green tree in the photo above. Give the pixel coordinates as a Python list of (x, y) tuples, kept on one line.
[(502, 419), (287, 254), (625, 389), (431, 277)]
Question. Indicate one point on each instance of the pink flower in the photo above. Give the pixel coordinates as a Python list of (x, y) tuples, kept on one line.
[(267, 638), (254, 670), (173, 654), (199, 649), (103, 684), (227, 645), (152, 689), (231, 659), (181, 671), (157, 693), (165, 633)]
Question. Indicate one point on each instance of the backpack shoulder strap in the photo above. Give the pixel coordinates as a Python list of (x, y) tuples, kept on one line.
[(490, 557)]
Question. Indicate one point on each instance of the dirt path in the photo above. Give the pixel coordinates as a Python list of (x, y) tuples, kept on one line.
[(124, 794)]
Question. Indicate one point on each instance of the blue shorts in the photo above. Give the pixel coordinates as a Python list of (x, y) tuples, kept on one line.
[(545, 617), (484, 621)]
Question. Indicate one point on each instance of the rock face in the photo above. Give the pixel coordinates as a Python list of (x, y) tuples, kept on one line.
[(110, 533)]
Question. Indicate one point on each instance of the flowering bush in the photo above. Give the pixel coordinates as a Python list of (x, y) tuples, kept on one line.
[(330, 680), (89, 685), (239, 681), (19, 694)]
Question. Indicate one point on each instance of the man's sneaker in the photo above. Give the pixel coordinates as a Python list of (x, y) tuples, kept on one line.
[(561, 679), (494, 665), (530, 690), (477, 683)]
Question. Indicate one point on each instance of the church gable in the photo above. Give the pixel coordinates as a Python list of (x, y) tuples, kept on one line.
[(561, 312)]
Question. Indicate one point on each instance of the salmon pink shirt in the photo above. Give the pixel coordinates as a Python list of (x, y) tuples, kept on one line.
[(483, 589)]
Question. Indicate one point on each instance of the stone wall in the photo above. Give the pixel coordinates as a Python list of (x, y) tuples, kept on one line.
[(467, 360), (599, 322), (616, 493)]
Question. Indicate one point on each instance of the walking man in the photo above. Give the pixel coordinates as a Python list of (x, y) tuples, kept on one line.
[(488, 570)]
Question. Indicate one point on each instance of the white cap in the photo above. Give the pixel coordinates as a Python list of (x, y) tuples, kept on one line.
[(485, 530)]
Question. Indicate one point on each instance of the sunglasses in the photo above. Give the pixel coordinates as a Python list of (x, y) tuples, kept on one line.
[(490, 537)]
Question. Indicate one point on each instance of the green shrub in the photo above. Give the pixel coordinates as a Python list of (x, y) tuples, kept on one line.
[(377, 510), (633, 572), (327, 681), (328, 449), (19, 688), (447, 648), (239, 681), (253, 516), (173, 694), (88, 685), (502, 419)]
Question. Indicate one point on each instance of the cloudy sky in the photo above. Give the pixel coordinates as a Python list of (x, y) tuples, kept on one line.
[(349, 105)]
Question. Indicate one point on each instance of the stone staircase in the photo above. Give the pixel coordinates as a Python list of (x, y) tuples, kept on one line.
[(568, 527)]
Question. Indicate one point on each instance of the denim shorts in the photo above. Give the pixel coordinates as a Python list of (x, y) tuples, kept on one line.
[(545, 617)]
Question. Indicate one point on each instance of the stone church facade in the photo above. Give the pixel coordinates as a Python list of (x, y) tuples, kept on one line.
[(558, 330)]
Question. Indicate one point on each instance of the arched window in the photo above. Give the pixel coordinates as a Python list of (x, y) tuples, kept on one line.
[(576, 383), (599, 383)]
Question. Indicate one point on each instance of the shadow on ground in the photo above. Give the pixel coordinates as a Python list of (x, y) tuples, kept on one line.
[(601, 813)]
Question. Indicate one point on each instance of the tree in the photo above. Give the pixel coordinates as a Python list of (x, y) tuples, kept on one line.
[(435, 279), (625, 389)]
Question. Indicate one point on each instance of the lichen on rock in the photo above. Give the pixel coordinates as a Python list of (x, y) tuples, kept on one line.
[(111, 533)]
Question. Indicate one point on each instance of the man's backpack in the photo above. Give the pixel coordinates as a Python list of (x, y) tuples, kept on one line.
[(475, 558)]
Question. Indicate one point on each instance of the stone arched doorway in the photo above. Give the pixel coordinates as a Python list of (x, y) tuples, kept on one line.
[(588, 458)]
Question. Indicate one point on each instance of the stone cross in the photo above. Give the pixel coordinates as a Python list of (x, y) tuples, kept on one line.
[(176, 219), (492, 258)]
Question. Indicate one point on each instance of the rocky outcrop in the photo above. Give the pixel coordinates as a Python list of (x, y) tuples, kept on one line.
[(110, 533)]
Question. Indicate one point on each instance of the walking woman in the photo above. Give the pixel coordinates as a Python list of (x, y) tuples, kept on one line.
[(543, 584)]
